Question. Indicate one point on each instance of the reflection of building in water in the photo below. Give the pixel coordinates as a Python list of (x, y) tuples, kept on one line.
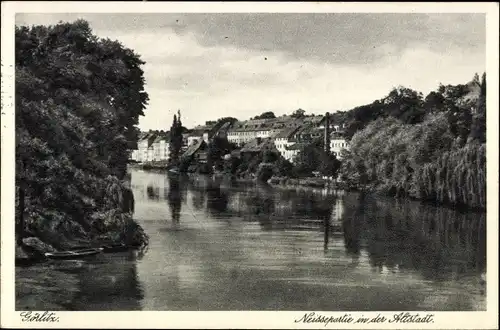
[(337, 214), (174, 198)]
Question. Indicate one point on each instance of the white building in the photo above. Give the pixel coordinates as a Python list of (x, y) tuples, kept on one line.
[(246, 131), (283, 141), (243, 132), (143, 146), (337, 144), (152, 146), (160, 148)]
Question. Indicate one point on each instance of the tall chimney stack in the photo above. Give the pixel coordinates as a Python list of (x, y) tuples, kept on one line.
[(327, 133)]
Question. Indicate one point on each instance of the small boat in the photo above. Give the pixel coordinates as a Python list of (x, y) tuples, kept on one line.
[(114, 248), (73, 254)]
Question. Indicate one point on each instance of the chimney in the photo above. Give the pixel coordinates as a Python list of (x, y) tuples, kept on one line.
[(327, 133)]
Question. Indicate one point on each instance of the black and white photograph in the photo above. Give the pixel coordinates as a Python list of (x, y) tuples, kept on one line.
[(324, 164)]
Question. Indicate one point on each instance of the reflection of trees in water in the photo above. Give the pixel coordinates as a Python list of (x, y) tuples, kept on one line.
[(309, 205), (217, 200), (153, 192), (435, 240), (260, 203), (351, 229), (109, 286), (174, 198), (198, 199)]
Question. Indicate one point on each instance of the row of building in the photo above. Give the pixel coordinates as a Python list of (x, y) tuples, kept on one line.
[(286, 134)]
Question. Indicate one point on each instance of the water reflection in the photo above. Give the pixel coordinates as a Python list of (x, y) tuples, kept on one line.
[(439, 242), (257, 247), (217, 200), (174, 198), (111, 276), (153, 192)]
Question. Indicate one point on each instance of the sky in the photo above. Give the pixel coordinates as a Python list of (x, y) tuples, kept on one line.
[(240, 65)]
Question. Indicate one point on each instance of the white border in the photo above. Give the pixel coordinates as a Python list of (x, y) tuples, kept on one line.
[(209, 320)]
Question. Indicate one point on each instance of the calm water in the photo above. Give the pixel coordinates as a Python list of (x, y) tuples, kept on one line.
[(216, 245)]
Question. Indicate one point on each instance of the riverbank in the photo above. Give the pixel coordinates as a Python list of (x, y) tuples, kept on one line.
[(315, 182), (112, 224)]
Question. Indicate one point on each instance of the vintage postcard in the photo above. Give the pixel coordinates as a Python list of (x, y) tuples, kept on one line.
[(249, 165)]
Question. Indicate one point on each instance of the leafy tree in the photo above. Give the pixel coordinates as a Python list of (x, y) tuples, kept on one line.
[(269, 156), (78, 101), (284, 167), (175, 138), (299, 113), (217, 149), (312, 157), (420, 161), (478, 126), (405, 104), (329, 165), (359, 117), (265, 115), (231, 120)]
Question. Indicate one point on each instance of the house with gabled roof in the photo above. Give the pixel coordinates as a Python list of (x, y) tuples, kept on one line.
[(160, 147), (245, 131), (197, 152), (144, 147), (293, 150), (283, 140)]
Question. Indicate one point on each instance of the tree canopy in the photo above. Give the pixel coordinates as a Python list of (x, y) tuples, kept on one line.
[(78, 102), (265, 115), (439, 157), (411, 107), (175, 144)]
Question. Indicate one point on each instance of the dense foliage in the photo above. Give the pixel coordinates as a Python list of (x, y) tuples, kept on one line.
[(78, 101), (175, 144), (431, 149), (313, 158), (217, 149), (265, 115)]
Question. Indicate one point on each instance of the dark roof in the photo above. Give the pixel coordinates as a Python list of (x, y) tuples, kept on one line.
[(337, 135), (313, 119), (287, 132), (225, 126), (309, 129), (194, 147), (150, 138), (260, 124), (297, 146)]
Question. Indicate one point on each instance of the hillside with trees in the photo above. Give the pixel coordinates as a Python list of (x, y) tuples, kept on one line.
[(431, 148), (78, 102)]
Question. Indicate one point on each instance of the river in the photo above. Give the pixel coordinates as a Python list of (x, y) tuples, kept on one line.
[(218, 245)]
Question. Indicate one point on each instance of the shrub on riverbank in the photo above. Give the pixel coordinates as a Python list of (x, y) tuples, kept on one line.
[(78, 99)]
